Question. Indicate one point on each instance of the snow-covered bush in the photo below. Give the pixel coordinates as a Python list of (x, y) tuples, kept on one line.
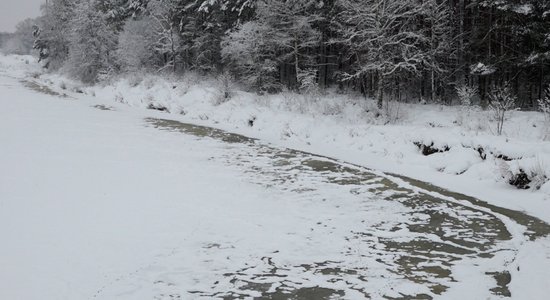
[(391, 112), (225, 88), (502, 101), (307, 80), (544, 106), (466, 96), (332, 108), (539, 174), (529, 173), (119, 97)]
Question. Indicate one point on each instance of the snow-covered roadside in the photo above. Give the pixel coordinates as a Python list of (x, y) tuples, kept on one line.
[(345, 128)]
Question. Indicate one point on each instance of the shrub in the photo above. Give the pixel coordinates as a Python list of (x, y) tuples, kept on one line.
[(466, 96), (502, 101), (544, 106), (225, 87), (538, 174)]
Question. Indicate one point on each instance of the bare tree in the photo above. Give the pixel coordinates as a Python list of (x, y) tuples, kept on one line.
[(384, 39), (502, 101), (136, 45), (281, 38), (164, 13), (247, 52), (439, 30)]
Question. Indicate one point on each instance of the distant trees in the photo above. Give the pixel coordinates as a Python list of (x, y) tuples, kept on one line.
[(403, 50), (4, 36), (22, 40)]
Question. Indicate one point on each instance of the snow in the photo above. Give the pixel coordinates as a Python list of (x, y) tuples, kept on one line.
[(481, 69), (343, 127), (97, 204), (524, 9)]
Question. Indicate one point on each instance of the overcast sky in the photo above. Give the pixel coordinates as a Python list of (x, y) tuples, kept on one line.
[(13, 11)]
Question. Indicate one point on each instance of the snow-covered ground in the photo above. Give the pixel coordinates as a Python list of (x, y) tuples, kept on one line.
[(345, 128), (101, 200)]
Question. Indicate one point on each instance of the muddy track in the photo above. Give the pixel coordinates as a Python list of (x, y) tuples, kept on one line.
[(419, 243)]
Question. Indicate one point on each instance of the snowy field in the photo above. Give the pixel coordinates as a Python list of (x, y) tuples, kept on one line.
[(102, 199)]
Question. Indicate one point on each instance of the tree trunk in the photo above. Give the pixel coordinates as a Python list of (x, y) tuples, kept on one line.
[(380, 92), (172, 42), (461, 16), (432, 82), (296, 62)]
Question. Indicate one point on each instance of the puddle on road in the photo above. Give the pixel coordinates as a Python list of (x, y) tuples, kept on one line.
[(419, 245)]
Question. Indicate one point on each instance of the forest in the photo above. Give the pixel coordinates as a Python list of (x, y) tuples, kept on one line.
[(407, 50)]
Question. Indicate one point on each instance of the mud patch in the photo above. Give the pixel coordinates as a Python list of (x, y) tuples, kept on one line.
[(42, 89), (104, 107), (503, 279), (418, 241)]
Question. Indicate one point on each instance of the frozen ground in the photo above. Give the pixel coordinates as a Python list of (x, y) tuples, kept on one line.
[(102, 200)]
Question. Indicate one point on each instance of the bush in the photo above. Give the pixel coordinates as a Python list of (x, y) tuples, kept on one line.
[(539, 174), (225, 88), (502, 101), (544, 106), (392, 112), (466, 96)]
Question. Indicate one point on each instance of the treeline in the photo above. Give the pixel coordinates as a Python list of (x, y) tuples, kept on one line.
[(407, 50)]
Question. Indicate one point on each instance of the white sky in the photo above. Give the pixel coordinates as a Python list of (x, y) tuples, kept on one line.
[(13, 11)]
